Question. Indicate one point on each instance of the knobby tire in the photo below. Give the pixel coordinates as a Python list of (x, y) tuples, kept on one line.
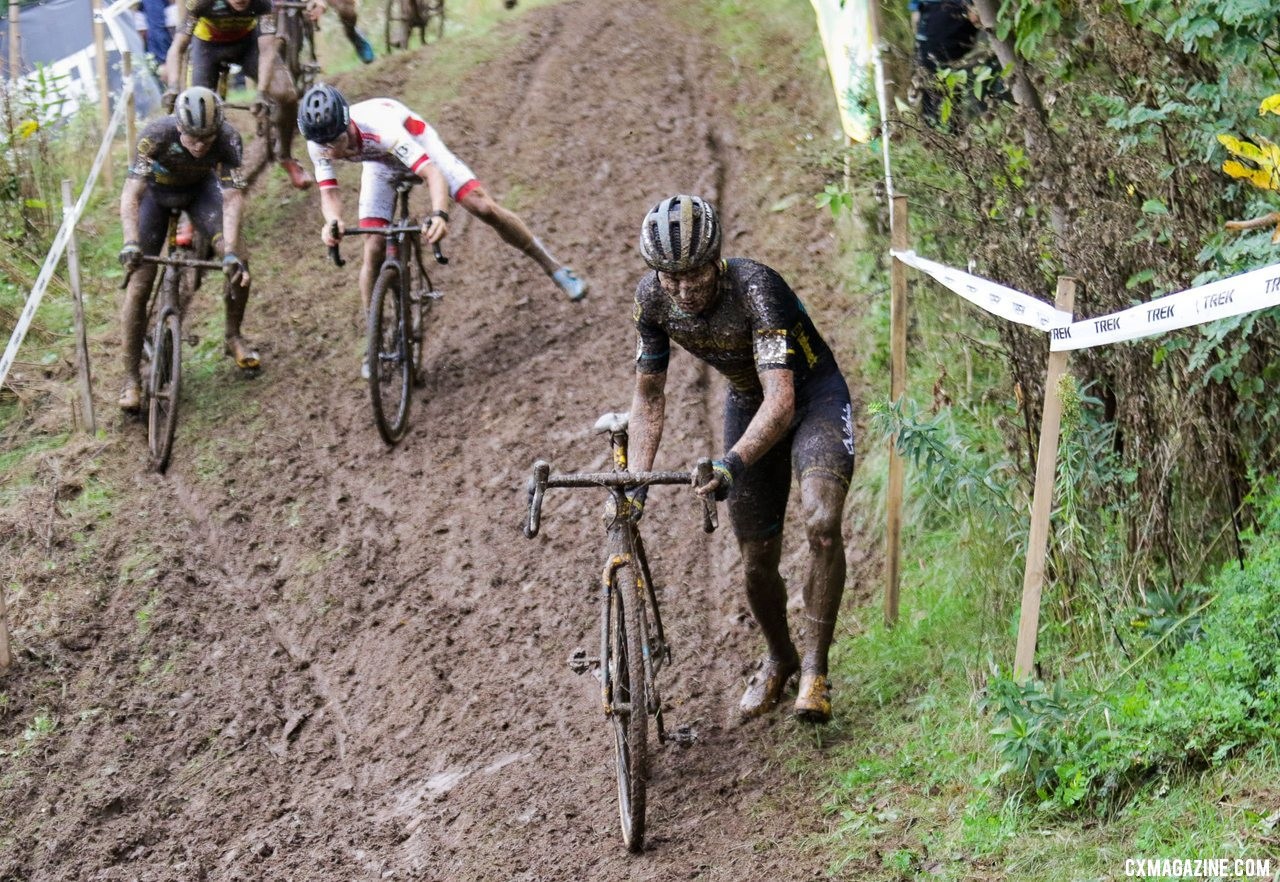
[(419, 305), (390, 380), (630, 729), (164, 386)]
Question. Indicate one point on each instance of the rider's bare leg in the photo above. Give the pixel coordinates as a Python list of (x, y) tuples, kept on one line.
[(133, 319), (767, 596), (282, 92), (375, 248), (510, 227), (822, 502), (346, 10)]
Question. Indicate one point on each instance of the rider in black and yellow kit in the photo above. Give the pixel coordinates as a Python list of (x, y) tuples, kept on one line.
[(191, 161), (788, 411), (225, 32)]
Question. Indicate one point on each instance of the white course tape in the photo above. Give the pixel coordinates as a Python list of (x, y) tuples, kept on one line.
[(60, 241), (995, 298), (1254, 290)]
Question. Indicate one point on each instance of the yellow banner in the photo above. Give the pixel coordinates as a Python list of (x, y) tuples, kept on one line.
[(845, 29)]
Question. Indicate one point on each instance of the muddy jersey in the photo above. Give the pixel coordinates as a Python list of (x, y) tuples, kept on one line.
[(390, 134), (163, 161), (215, 21), (757, 324)]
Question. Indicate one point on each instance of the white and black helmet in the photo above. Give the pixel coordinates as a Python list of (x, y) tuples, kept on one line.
[(199, 112), (323, 114), (680, 234)]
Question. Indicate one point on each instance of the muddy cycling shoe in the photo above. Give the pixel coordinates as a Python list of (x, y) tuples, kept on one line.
[(245, 355), (363, 49), (764, 689), (131, 396), (298, 176), (813, 704), (569, 283)]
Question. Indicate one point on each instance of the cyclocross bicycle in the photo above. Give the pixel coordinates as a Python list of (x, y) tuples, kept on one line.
[(633, 645), (405, 16), (175, 285), (402, 299)]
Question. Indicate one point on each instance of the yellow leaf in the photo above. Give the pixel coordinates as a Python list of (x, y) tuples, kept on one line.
[(1243, 149), (28, 128), (1270, 105), (1263, 178)]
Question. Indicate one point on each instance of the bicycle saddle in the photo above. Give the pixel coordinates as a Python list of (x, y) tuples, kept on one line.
[(612, 422)]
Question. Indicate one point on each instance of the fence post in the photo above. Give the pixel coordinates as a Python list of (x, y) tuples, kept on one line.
[(131, 112), (15, 47), (6, 657), (1042, 500), (104, 85), (82, 343), (897, 389)]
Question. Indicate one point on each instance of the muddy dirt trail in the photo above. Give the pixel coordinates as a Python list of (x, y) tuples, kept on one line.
[(304, 656)]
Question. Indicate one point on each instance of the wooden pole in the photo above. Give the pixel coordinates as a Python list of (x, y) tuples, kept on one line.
[(104, 85), (82, 343), (15, 47), (130, 113), (897, 388), (6, 657), (1042, 500)]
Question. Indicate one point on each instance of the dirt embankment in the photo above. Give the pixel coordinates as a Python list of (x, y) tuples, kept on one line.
[(303, 656)]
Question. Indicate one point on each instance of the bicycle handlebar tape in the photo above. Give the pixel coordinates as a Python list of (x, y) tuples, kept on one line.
[(333, 249)]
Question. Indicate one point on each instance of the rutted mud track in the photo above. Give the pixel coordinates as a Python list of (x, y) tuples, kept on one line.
[(361, 661)]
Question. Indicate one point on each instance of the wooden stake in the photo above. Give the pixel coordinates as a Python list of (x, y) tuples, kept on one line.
[(82, 343), (104, 85), (1042, 500), (15, 47), (899, 239), (6, 657), (131, 112)]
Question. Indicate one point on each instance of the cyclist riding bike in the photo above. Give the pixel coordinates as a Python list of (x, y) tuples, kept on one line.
[(189, 161), (225, 32), (788, 409), (393, 141), (346, 11)]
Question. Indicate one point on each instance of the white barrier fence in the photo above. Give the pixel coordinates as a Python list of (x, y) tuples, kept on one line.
[(64, 234)]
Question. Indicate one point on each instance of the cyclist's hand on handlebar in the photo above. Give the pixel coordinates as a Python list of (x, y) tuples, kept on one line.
[(436, 227), (260, 105), (235, 269), (131, 256), (331, 232), (315, 9), (724, 472)]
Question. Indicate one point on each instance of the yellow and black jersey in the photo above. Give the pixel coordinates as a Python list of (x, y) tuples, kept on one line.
[(217, 21), (162, 160)]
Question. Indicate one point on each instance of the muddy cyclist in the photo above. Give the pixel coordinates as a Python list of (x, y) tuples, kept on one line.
[(788, 409)]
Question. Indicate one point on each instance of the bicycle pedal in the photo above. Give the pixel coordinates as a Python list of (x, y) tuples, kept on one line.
[(580, 662), (684, 736)]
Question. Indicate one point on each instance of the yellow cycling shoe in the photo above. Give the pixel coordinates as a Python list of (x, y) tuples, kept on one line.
[(764, 689), (245, 355), (813, 704)]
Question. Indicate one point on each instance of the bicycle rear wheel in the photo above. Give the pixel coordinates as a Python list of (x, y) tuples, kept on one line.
[(630, 706), (390, 380), (163, 388)]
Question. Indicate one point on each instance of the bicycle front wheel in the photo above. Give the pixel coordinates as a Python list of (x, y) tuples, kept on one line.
[(629, 706), (162, 389), (388, 353)]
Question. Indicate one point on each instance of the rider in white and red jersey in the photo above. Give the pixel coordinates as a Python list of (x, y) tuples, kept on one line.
[(393, 141)]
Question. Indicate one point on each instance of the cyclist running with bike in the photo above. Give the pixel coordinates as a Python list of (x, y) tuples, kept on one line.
[(224, 32), (189, 160), (788, 409), (392, 142)]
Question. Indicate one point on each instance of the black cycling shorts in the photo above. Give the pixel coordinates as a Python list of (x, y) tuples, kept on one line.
[(207, 59), (820, 442), (202, 203)]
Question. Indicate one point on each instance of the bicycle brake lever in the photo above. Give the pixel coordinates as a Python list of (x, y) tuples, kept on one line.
[(701, 475), (333, 249), (537, 487), (440, 258)]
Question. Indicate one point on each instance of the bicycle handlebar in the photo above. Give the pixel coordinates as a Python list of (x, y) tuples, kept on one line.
[(542, 478), (172, 261), (337, 259)]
